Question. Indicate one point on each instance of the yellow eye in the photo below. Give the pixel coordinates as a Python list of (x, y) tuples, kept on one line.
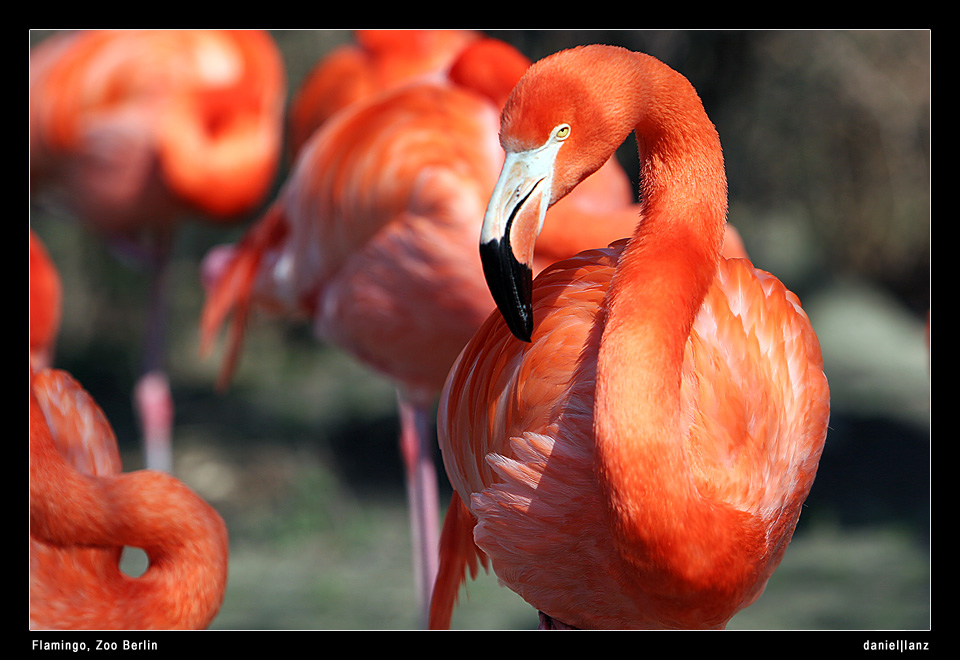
[(562, 131)]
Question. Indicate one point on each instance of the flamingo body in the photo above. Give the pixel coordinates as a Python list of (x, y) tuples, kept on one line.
[(529, 469), (368, 267), (641, 460), (83, 511)]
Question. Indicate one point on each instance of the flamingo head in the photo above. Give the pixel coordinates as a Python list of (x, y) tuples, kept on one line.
[(561, 123)]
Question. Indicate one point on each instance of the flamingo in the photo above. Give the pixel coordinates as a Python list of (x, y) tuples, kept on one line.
[(83, 511), (131, 130), (46, 293), (373, 237), (632, 437)]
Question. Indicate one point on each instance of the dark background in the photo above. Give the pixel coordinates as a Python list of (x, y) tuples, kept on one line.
[(826, 136)]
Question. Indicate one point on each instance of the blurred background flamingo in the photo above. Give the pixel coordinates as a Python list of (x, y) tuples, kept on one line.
[(133, 131), (277, 453)]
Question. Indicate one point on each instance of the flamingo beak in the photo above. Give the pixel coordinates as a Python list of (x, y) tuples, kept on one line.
[(511, 225)]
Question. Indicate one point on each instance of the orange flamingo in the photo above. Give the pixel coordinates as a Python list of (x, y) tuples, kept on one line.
[(46, 292), (640, 459), (373, 238), (83, 511), (130, 130)]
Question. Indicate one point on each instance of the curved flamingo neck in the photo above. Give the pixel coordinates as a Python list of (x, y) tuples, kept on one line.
[(661, 281), (186, 544), (184, 538)]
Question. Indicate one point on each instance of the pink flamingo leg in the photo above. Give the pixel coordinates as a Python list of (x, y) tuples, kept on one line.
[(152, 397), (416, 448), (154, 404)]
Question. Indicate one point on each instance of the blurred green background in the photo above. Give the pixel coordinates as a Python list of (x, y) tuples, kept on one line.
[(827, 142)]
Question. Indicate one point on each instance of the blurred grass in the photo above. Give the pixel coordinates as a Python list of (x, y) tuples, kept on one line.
[(830, 189)]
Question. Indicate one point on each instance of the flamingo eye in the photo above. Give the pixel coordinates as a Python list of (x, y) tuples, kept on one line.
[(562, 131)]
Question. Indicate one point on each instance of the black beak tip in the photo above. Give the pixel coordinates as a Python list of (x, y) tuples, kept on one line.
[(511, 284)]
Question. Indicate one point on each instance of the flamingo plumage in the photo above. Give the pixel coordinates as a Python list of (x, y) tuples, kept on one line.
[(373, 238), (630, 439), (84, 511), (46, 294), (131, 131)]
